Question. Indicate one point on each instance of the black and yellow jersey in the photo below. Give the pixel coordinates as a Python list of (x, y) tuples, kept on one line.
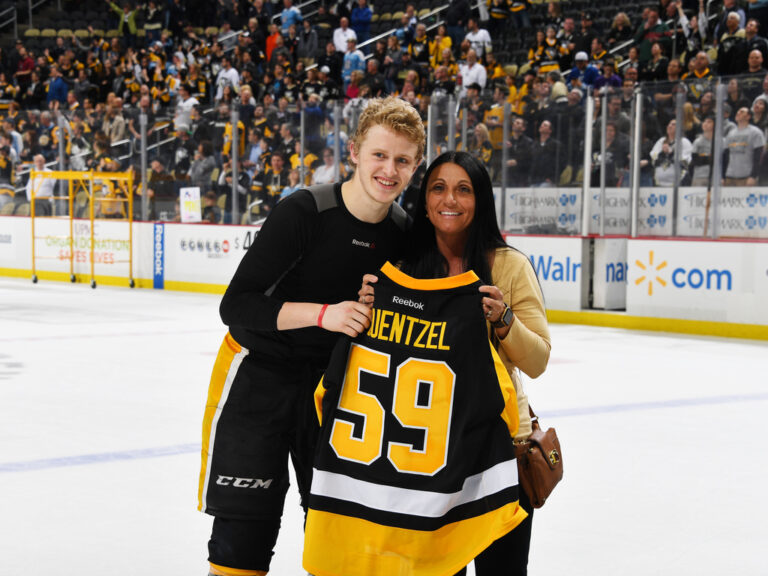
[(415, 471)]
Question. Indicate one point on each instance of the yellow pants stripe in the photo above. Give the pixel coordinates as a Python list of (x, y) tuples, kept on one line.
[(225, 369), (217, 570)]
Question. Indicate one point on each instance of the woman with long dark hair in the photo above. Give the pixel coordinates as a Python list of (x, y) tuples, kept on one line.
[(455, 230)]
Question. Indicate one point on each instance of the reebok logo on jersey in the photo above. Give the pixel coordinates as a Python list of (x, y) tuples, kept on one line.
[(411, 303), (236, 482), (363, 244)]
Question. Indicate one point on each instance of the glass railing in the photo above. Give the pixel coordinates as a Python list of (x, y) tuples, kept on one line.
[(664, 159)]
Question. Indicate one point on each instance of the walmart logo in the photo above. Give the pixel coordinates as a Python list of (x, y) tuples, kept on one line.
[(694, 278), (651, 273)]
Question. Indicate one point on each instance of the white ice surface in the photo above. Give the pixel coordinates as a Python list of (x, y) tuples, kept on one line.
[(101, 401)]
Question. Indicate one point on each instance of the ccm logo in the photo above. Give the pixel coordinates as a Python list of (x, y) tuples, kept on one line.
[(243, 482)]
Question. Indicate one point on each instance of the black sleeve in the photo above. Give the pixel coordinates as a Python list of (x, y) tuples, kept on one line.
[(757, 156), (726, 158), (279, 244)]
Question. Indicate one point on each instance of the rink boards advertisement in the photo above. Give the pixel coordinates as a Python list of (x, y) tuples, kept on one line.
[(164, 255), (710, 281), (715, 281), (741, 212)]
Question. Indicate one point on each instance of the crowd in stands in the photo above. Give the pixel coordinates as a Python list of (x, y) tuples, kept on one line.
[(187, 64)]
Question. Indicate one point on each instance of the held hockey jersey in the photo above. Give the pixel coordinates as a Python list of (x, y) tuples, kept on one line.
[(414, 472)]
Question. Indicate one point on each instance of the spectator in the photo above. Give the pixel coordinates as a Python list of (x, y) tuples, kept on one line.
[(127, 21), (294, 183), (545, 158), (478, 38), (519, 148), (354, 59), (374, 79), (608, 78), (325, 174), (211, 210), (760, 115), (203, 165), (727, 7), (583, 74), (455, 19), (392, 63), (43, 188), (227, 76), (742, 151), (273, 179), (342, 35), (621, 30), (701, 154), (360, 20), (731, 46), (472, 73), (651, 31), (290, 15), (699, 80), (663, 157), (616, 157), (307, 47), (114, 122), (584, 36), (735, 98), (333, 61), (655, 69)]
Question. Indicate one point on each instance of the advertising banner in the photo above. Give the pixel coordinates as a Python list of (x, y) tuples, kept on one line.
[(205, 254), (609, 278), (654, 212), (543, 210), (562, 265), (618, 211), (714, 281)]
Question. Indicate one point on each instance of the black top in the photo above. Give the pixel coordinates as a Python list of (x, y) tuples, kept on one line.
[(310, 249)]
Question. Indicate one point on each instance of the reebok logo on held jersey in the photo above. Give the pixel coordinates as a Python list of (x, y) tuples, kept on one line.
[(411, 303), (237, 482)]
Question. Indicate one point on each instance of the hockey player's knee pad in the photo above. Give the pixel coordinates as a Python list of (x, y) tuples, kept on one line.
[(217, 570)]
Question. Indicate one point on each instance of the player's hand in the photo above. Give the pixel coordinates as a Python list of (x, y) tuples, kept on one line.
[(366, 290), (350, 318)]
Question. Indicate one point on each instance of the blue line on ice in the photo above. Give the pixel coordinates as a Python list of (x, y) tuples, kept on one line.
[(159, 452)]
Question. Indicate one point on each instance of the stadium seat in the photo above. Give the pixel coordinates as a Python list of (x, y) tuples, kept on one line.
[(65, 33), (7, 209), (22, 209), (113, 34), (48, 33), (211, 31), (82, 33), (32, 33)]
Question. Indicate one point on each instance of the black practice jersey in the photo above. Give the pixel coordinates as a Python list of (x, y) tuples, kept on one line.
[(310, 249), (415, 471)]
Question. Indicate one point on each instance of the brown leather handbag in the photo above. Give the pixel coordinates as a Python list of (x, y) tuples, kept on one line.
[(539, 462)]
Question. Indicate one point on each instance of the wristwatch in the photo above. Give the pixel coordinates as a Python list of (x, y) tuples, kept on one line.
[(505, 319)]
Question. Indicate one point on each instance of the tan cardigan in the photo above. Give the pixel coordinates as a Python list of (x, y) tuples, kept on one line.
[(527, 345)]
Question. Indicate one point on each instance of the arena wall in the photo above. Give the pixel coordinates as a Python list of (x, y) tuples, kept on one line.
[(667, 284)]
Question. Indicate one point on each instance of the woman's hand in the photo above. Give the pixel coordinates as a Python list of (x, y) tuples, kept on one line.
[(493, 307), (366, 290), (350, 318)]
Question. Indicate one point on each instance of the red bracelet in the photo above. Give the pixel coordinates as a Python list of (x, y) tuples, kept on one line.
[(320, 316)]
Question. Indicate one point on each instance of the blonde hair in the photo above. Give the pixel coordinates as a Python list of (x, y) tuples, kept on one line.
[(396, 115)]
